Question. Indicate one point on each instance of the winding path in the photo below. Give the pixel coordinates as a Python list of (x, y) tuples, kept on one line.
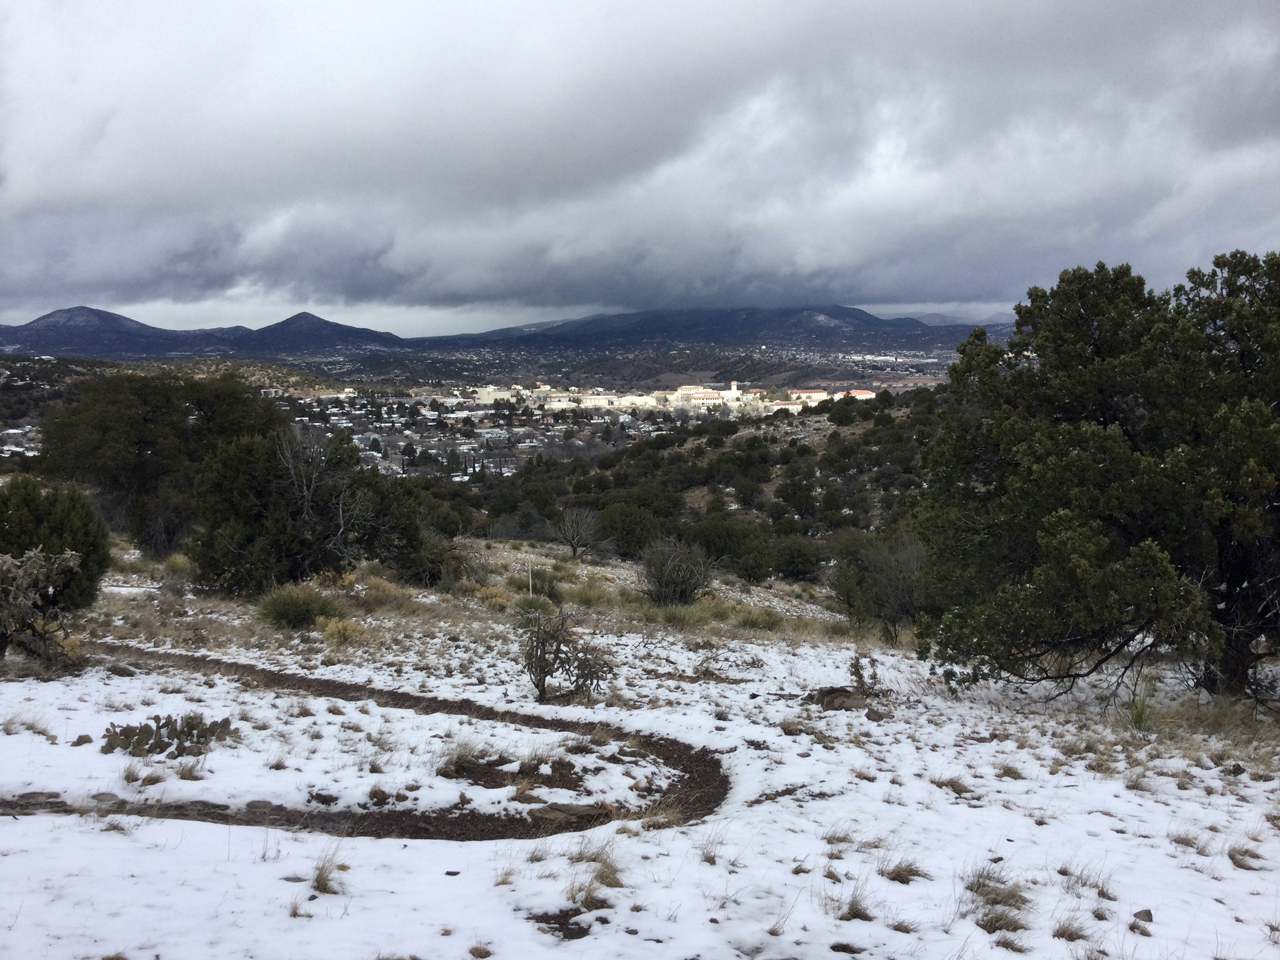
[(697, 794)]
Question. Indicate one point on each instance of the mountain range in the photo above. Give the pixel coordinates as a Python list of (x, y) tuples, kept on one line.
[(100, 334)]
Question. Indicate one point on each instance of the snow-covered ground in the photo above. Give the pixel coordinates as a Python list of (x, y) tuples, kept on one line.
[(968, 824)]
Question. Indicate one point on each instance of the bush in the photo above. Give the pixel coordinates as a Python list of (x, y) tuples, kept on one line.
[(675, 573), (139, 441), (628, 527), (553, 648), (55, 520), (796, 558), (27, 618), (296, 607)]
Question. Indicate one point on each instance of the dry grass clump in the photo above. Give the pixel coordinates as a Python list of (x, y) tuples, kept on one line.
[(709, 846), (586, 893), (1070, 930), (954, 784), (380, 594), (903, 871), (1243, 857), (480, 950), (190, 769), (1008, 771), (496, 598), (856, 905), (323, 873), (459, 754), (993, 887), (340, 633), (297, 607), (1000, 920), (591, 593)]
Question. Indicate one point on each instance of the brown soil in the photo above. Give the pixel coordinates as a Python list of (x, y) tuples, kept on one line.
[(696, 794)]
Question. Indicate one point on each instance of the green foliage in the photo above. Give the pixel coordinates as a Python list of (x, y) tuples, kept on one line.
[(188, 736), (297, 607), (877, 578), (283, 508), (743, 546), (1108, 486), (796, 558), (55, 520), (628, 527), (552, 647), (140, 440), (27, 618)]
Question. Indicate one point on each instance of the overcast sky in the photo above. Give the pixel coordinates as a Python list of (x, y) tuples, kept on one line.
[(428, 168)]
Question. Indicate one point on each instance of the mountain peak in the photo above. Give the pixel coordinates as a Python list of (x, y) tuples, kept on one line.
[(84, 318)]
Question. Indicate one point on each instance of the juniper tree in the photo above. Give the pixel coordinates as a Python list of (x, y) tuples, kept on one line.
[(1106, 488)]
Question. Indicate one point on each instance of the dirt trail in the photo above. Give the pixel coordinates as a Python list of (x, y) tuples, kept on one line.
[(696, 794)]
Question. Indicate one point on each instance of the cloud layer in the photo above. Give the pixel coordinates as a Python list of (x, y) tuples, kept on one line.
[(429, 163)]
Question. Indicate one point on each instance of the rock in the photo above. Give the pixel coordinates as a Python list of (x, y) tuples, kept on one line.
[(837, 698), (875, 716), (559, 812), (1143, 915)]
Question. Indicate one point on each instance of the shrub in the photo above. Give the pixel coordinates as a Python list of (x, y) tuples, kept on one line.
[(675, 573), (796, 558), (553, 648), (28, 618), (578, 529), (339, 632), (54, 520), (296, 607), (628, 527)]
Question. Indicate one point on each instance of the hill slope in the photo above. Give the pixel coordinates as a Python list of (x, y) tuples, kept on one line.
[(89, 332)]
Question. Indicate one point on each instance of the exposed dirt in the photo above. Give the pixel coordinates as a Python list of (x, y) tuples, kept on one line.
[(695, 795)]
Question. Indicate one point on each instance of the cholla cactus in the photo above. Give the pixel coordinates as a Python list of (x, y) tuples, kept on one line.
[(28, 617)]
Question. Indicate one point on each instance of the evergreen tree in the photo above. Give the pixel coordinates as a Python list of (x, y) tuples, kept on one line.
[(53, 521), (1106, 488), (139, 441)]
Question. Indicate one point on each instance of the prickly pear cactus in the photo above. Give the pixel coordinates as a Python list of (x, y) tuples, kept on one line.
[(188, 736)]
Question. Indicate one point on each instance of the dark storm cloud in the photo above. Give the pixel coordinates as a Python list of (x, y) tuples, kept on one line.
[(557, 155)]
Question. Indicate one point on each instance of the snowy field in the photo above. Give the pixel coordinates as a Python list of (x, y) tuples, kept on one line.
[(914, 822)]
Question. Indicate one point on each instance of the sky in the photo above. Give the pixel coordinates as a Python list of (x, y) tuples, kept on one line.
[(437, 167)]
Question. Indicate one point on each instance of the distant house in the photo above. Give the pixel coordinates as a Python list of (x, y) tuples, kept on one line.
[(811, 397)]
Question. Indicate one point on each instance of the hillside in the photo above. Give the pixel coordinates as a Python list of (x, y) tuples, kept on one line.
[(90, 332)]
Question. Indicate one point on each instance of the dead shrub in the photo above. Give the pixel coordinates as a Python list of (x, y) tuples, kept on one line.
[(340, 633)]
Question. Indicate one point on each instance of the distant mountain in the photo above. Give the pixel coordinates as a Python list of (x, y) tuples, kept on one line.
[(307, 334), (89, 332), (830, 327)]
